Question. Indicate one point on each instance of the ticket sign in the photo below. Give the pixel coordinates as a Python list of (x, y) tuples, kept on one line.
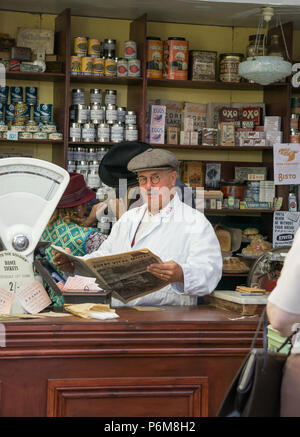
[(286, 164), (16, 273)]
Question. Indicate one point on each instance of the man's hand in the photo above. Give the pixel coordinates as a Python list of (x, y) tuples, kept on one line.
[(63, 263), (95, 214), (168, 271)]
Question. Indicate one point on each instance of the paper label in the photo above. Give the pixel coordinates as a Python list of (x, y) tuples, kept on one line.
[(6, 301), (34, 298)]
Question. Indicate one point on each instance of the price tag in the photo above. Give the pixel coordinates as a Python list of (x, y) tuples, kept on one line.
[(12, 135), (16, 273)]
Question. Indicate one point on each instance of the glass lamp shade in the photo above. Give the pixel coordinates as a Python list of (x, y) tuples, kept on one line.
[(265, 69)]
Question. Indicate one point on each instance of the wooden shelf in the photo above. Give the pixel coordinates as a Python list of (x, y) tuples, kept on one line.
[(42, 77), (90, 143), (31, 140), (108, 80), (199, 147), (209, 85), (239, 211), (236, 274)]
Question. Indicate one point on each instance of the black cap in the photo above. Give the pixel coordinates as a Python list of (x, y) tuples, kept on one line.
[(113, 166)]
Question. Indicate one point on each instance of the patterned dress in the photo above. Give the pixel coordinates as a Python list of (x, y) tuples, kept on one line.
[(79, 239)]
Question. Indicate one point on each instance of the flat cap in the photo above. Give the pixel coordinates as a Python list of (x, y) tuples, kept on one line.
[(153, 159)]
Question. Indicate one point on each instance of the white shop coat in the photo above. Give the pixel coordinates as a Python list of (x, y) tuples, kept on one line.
[(177, 233)]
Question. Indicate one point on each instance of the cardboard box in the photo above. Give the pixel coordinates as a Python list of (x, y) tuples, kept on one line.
[(20, 53), (35, 39), (172, 135), (192, 173), (197, 111)]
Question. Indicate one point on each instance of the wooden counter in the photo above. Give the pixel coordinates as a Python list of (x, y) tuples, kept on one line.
[(173, 363)]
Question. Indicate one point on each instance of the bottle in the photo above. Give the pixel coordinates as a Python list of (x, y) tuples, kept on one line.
[(292, 199)]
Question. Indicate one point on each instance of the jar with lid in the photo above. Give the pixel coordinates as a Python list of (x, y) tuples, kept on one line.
[(110, 97), (93, 179), (121, 112), (88, 133), (96, 114), (103, 133), (117, 133), (229, 67), (256, 46), (79, 154), (275, 48), (111, 114), (130, 117), (75, 132), (96, 96), (82, 168), (92, 155), (71, 166)]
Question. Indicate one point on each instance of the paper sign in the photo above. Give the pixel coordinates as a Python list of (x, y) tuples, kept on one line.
[(286, 164), (34, 298), (285, 225), (6, 300)]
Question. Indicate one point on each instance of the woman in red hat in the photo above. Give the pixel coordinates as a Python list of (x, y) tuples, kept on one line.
[(68, 226)]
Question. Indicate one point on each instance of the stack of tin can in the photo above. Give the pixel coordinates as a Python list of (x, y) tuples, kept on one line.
[(86, 160), (98, 122), (25, 115), (95, 58)]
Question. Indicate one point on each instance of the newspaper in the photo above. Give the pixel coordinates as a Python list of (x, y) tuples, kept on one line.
[(125, 274)]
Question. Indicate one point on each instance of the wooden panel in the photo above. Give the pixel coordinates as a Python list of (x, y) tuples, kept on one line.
[(119, 397)]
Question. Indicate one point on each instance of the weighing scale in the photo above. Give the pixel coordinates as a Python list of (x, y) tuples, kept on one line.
[(30, 189)]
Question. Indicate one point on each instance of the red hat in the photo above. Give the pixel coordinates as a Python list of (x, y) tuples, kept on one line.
[(76, 192)]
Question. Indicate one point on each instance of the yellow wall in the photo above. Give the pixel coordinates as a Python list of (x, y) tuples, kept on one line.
[(217, 38)]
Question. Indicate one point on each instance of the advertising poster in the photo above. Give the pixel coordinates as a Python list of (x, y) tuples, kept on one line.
[(285, 225), (286, 164)]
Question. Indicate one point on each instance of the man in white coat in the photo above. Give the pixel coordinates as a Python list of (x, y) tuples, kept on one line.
[(180, 235)]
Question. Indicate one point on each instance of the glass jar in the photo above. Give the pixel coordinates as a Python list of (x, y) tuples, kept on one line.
[(256, 46), (229, 67), (275, 48)]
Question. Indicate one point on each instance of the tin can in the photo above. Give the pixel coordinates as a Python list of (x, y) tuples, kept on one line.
[(104, 225), (131, 133), (110, 67), (88, 132), (130, 117), (176, 50), (20, 112), (71, 153), (79, 154), (75, 132), (2, 112), (294, 136), (121, 113), (3, 127), (93, 179), (109, 47), (103, 133), (93, 47), (96, 114), (86, 66), (45, 112), (71, 166), (117, 133), (40, 136), (80, 46), (55, 136), (98, 66), (4, 94), (95, 96), (25, 135), (82, 168), (36, 113), (110, 97), (229, 67), (154, 57), (294, 121), (130, 50), (18, 127), (14, 65), (78, 96), (9, 112), (31, 95), (16, 94), (32, 128), (295, 105), (122, 67), (49, 128), (81, 113), (134, 68), (75, 65), (92, 156), (111, 114)]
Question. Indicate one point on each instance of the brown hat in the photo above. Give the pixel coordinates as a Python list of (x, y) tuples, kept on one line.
[(153, 159), (76, 192)]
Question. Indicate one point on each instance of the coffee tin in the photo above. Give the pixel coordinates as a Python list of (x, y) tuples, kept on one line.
[(93, 47), (16, 94), (75, 66), (31, 95), (80, 46), (86, 66), (98, 66)]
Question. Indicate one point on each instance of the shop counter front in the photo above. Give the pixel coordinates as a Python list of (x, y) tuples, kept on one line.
[(178, 362)]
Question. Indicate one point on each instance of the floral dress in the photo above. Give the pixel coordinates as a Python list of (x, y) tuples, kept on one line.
[(79, 239)]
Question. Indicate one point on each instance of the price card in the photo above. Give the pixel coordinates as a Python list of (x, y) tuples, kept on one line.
[(6, 300), (34, 298), (16, 272)]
